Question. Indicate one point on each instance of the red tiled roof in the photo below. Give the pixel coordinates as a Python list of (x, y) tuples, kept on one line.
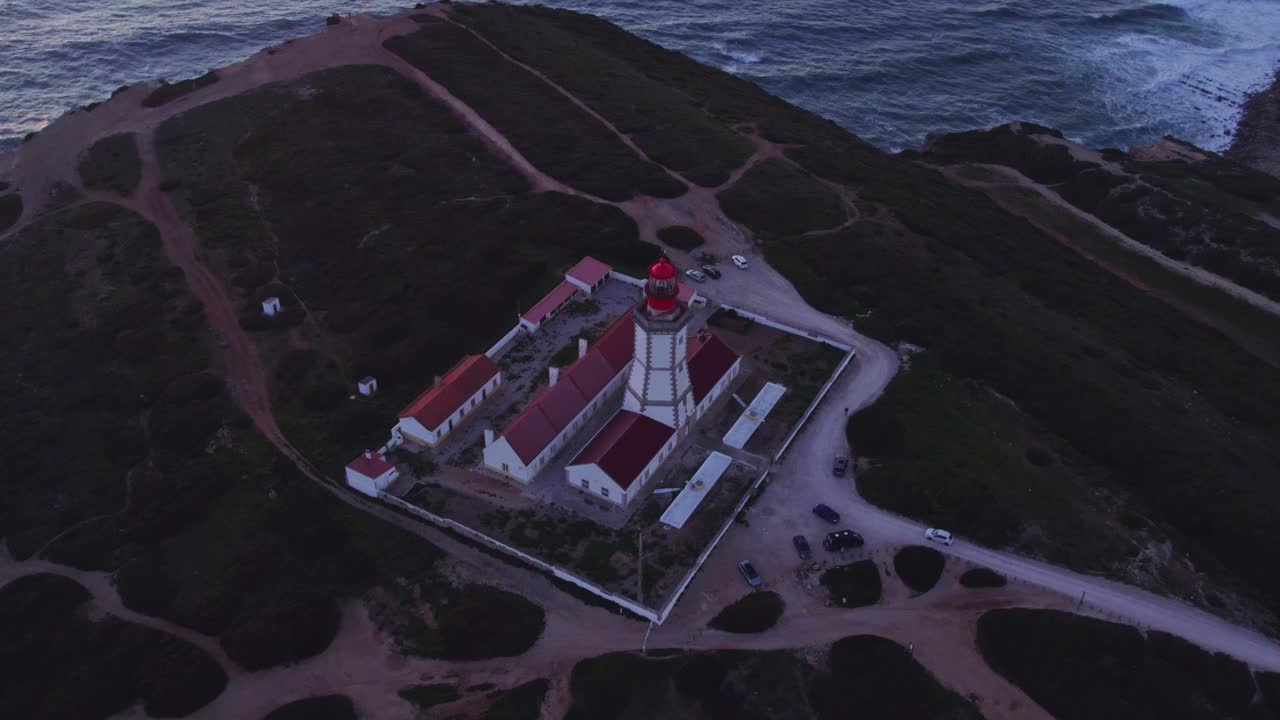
[(588, 270), (461, 382), (371, 467), (551, 301), (534, 428), (709, 359), (624, 446)]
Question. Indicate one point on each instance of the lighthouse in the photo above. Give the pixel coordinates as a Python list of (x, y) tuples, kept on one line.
[(658, 385)]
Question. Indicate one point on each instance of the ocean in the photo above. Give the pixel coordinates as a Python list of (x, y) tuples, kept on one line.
[(1109, 73)]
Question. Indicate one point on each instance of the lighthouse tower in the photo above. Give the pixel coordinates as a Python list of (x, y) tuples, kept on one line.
[(659, 382)]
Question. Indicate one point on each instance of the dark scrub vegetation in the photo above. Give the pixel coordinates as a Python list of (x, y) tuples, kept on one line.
[(373, 202), (752, 613), (320, 707), (864, 676), (919, 567), (854, 585), (60, 665), (670, 127), (1204, 212), (471, 622), (427, 696), (681, 237), (776, 198), (10, 210), (982, 578), (523, 702), (168, 92), (112, 163), (1078, 667), (556, 135)]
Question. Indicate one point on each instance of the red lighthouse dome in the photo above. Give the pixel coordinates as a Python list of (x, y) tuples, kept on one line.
[(661, 289)]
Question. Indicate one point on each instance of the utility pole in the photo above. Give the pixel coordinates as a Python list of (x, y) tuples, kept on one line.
[(1081, 601), (644, 644)]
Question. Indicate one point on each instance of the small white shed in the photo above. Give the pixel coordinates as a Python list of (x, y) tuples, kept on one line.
[(271, 306)]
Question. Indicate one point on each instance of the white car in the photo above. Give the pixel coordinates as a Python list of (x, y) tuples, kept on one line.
[(741, 262), (939, 536), (696, 275)]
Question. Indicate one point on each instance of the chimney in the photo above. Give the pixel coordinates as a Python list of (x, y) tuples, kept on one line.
[(582, 347), (488, 437), (368, 454), (437, 381), (553, 374)]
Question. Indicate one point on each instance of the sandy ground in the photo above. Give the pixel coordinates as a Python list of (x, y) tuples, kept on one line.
[(360, 663)]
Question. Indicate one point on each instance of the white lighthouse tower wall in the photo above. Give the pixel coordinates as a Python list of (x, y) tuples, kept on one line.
[(658, 385)]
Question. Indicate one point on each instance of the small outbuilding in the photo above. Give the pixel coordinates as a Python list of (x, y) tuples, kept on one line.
[(371, 473), (588, 275), (271, 306), (368, 386)]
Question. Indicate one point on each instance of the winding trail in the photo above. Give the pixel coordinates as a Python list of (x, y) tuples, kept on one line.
[(361, 662)]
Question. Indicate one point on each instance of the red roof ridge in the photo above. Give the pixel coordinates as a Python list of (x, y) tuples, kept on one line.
[(463, 380)]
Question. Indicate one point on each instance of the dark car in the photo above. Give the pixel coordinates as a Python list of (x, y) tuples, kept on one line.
[(826, 513), (842, 463), (711, 271), (802, 547), (842, 540), (749, 572)]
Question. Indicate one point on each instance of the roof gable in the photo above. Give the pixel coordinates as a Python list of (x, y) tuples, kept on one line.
[(588, 271), (709, 359), (552, 300), (463, 380), (624, 446), (371, 465)]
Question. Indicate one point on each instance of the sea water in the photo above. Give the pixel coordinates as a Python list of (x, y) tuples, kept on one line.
[(1109, 73)]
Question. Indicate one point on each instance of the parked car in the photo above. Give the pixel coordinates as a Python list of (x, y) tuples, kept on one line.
[(842, 463), (712, 271), (741, 262), (842, 540), (826, 513), (696, 275), (749, 572), (802, 547), (939, 536)]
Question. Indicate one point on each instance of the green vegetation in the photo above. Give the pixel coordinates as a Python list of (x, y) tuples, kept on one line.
[(365, 189), (1269, 687), (523, 702), (471, 622), (1078, 667), (168, 92), (428, 696), (776, 198), (864, 676), (982, 578), (112, 163), (667, 125), (61, 666), (681, 237), (320, 707), (854, 585), (919, 567), (10, 210), (556, 135), (752, 613), (1205, 212)]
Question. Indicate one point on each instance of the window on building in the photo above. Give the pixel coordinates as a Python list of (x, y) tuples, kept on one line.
[(482, 392), (450, 424), (604, 491), (586, 484), (505, 468)]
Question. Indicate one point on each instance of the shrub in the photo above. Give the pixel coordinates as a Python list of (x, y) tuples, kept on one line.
[(523, 702), (1039, 457), (333, 19), (172, 91), (853, 585), (680, 237), (982, 578), (753, 613), (919, 567), (774, 197), (10, 210), (1081, 668), (320, 707), (280, 629), (112, 163), (426, 696), (880, 679), (1269, 685)]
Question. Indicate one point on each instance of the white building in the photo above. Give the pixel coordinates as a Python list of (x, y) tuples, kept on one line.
[(588, 275), (621, 457), (658, 383), (271, 306), (371, 473), (534, 437), (367, 386), (443, 407)]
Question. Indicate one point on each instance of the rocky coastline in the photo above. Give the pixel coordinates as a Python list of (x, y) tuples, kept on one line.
[(1257, 137)]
